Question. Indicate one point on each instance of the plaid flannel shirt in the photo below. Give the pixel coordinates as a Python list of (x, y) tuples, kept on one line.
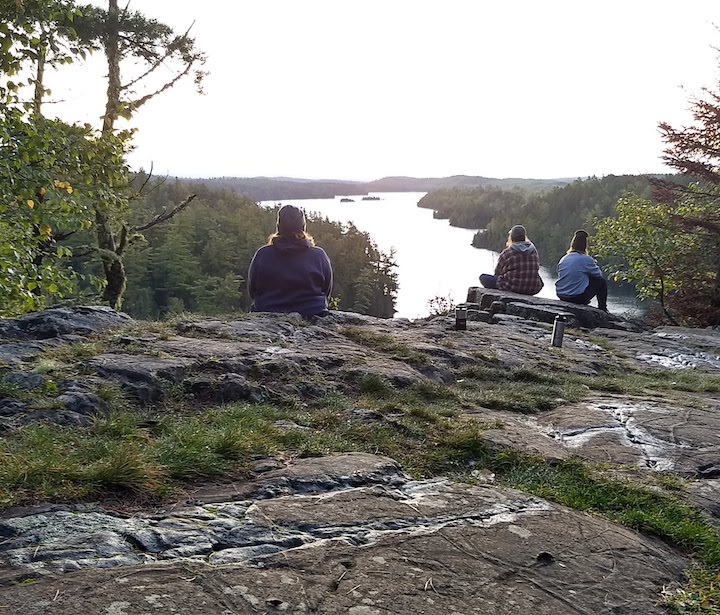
[(518, 271)]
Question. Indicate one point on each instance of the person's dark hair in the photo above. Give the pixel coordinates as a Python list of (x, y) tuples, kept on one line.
[(579, 241)]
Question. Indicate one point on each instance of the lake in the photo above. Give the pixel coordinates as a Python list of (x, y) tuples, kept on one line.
[(434, 259)]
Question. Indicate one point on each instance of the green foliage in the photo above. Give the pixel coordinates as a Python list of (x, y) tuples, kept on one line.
[(641, 241), (30, 31), (700, 595), (50, 172), (675, 263), (38, 156), (365, 278), (552, 218), (681, 237)]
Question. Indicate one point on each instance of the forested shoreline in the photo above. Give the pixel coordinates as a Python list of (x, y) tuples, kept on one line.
[(550, 217)]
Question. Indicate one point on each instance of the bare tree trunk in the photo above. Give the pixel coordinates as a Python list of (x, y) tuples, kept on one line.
[(115, 277), (116, 284), (664, 307), (111, 261), (715, 293), (39, 77), (112, 53)]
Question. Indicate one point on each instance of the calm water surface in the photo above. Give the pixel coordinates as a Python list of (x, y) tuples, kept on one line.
[(434, 259)]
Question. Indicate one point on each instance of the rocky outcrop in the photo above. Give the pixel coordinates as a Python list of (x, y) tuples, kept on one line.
[(353, 533), (268, 357), (349, 534), (62, 322), (658, 434), (545, 310)]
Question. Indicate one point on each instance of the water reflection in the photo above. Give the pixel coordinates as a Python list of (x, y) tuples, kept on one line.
[(434, 259)]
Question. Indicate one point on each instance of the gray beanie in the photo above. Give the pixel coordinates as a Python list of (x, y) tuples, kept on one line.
[(290, 220), (518, 233)]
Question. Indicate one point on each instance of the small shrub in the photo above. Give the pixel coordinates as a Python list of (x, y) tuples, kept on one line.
[(440, 306)]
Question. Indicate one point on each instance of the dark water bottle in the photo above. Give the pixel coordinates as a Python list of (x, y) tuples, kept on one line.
[(460, 318), (558, 330)]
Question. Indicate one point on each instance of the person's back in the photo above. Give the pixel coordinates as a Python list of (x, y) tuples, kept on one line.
[(521, 269), (518, 266), (573, 271), (290, 274), (579, 277)]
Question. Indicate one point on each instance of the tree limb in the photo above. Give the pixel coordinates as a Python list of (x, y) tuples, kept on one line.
[(158, 60), (662, 292), (155, 65), (145, 183), (141, 101), (684, 221), (166, 215)]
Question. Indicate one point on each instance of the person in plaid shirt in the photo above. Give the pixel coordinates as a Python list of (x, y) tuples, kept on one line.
[(518, 266)]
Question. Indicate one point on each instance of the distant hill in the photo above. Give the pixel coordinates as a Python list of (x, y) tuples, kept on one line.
[(413, 184), (280, 188)]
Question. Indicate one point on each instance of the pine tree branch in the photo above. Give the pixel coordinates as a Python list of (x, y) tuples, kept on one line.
[(158, 60), (141, 101)]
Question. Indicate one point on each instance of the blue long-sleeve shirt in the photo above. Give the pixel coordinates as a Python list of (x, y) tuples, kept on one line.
[(574, 269), (290, 275)]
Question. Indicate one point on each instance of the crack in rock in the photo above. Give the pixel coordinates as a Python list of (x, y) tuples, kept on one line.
[(248, 531), (655, 453)]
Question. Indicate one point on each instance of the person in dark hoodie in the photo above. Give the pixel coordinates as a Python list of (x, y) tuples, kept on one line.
[(579, 277), (518, 266), (290, 273)]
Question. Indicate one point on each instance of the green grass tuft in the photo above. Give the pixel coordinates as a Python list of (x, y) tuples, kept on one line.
[(126, 467), (376, 385)]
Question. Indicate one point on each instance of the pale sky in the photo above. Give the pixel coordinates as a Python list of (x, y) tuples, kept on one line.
[(349, 89)]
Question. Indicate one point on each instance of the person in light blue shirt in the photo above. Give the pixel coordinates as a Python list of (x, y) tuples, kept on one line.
[(579, 277)]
